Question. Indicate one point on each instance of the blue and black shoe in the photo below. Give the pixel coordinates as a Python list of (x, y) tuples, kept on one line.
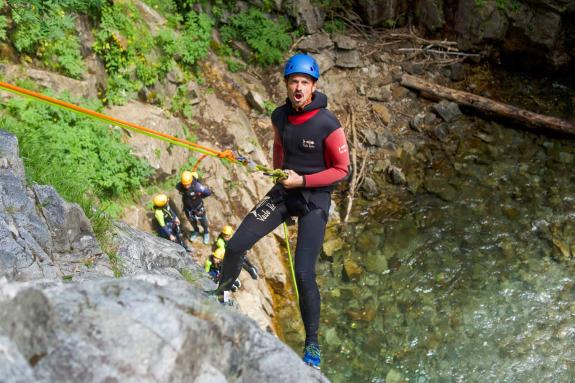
[(312, 355), (194, 235)]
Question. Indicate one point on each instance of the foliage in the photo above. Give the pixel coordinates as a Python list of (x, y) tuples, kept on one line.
[(60, 147), (334, 25), (134, 59), (125, 45), (270, 106), (181, 103), (3, 22), (267, 38), (46, 30), (196, 37), (3, 27), (168, 9), (235, 65)]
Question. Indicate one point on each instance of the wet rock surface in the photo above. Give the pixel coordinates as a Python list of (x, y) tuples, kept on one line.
[(63, 317)]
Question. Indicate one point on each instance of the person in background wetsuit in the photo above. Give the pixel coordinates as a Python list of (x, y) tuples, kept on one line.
[(168, 223), (311, 147), (222, 242), (193, 193)]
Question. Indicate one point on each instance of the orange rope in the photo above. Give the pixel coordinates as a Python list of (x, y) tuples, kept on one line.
[(226, 154), (198, 162)]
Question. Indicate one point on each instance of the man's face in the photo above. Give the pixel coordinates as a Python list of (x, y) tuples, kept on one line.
[(299, 89)]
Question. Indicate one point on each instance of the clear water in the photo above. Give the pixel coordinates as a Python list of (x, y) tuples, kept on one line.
[(470, 277)]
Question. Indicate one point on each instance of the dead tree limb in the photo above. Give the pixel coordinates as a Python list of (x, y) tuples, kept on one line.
[(484, 104), (358, 175), (438, 51)]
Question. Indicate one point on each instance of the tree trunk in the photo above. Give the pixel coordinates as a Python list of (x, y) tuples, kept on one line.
[(529, 119)]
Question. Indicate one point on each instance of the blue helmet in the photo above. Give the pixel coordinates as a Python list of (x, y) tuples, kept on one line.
[(302, 63)]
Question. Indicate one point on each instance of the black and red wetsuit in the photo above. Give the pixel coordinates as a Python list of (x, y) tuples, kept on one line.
[(312, 143)]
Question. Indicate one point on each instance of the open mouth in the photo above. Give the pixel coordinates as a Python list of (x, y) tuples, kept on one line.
[(298, 97)]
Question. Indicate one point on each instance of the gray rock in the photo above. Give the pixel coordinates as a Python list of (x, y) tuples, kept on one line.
[(343, 42), (256, 101), (369, 187), (69, 228), (458, 72), (147, 327), (305, 14), (325, 60), (422, 120), (396, 175), (448, 111), (315, 43), (176, 76), (378, 94), (375, 12), (370, 136), (11, 162), (413, 68), (430, 14), (144, 329), (348, 59)]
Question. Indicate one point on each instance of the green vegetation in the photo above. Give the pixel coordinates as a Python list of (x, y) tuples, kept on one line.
[(82, 155), (125, 45), (3, 22), (46, 30), (85, 160), (181, 103), (270, 106), (268, 39)]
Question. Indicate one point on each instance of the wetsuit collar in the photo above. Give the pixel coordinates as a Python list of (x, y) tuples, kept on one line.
[(318, 101)]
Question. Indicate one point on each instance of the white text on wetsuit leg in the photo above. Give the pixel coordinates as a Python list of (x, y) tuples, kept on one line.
[(264, 213)]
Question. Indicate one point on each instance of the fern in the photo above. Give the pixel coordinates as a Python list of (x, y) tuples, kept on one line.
[(268, 39)]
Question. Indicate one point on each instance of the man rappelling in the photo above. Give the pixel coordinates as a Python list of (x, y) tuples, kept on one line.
[(311, 147)]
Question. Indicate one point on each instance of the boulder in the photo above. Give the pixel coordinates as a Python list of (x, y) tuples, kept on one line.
[(343, 42), (305, 14), (315, 43), (447, 110), (348, 59)]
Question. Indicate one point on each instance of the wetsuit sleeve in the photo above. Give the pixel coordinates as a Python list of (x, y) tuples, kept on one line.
[(278, 150), (202, 190), (336, 156)]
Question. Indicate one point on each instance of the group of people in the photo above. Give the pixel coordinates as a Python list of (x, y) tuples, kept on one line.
[(168, 224), (193, 192), (311, 147)]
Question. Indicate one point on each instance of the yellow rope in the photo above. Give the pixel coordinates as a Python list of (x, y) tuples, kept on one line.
[(291, 263)]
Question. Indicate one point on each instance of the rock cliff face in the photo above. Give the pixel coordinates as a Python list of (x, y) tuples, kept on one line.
[(64, 318), (536, 32)]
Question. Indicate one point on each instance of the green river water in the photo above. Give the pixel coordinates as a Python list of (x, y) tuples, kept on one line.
[(468, 275)]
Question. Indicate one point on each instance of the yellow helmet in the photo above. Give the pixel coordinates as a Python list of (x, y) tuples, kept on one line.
[(160, 200), (219, 253), (188, 177), (227, 230)]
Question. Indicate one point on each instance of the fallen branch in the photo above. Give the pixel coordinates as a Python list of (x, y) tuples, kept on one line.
[(358, 176), (485, 104), (419, 40), (426, 50)]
